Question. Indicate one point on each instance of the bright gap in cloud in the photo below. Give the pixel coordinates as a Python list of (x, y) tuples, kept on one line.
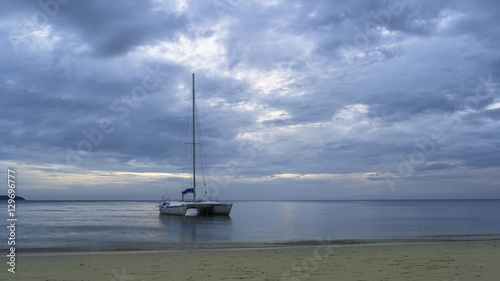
[(198, 53), (270, 115), (24, 35), (275, 81), (306, 177), (113, 177), (447, 18), (492, 106), (351, 116), (62, 176), (179, 6)]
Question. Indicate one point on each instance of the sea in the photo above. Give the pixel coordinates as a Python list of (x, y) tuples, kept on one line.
[(52, 226)]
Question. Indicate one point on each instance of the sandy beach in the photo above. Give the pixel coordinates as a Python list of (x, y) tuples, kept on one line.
[(434, 261)]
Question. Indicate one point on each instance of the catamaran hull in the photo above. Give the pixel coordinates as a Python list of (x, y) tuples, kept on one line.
[(222, 209), (177, 210), (199, 209)]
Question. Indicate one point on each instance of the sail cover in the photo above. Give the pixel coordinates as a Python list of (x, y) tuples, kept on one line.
[(189, 190)]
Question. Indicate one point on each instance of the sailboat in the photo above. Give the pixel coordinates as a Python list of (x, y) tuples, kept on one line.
[(194, 206)]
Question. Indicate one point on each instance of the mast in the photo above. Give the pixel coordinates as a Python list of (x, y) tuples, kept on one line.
[(194, 149)]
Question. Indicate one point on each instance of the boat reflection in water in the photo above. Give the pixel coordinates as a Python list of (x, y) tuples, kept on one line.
[(199, 229)]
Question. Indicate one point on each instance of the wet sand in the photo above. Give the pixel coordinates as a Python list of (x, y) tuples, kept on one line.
[(457, 261)]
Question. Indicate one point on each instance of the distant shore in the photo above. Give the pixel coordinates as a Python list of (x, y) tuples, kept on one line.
[(5, 198), (452, 261)]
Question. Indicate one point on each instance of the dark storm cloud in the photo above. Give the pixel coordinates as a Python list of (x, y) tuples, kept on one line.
[(403, 105), (112, 29)]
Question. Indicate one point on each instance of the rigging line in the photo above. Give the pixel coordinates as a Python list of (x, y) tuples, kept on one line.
[(187, 182), (184, 125), (204, 165), (188, 152), (200, 139), (202, 152), (190, 139), (154, 208)]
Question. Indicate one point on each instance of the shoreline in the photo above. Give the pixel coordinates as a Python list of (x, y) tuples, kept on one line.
[(452, 261), (241, 248), (257, 245)]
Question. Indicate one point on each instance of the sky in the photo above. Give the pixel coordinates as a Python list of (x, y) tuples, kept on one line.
[(297, 100)]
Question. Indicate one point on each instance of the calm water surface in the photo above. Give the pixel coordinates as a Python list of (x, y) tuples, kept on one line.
[(102, 225)]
